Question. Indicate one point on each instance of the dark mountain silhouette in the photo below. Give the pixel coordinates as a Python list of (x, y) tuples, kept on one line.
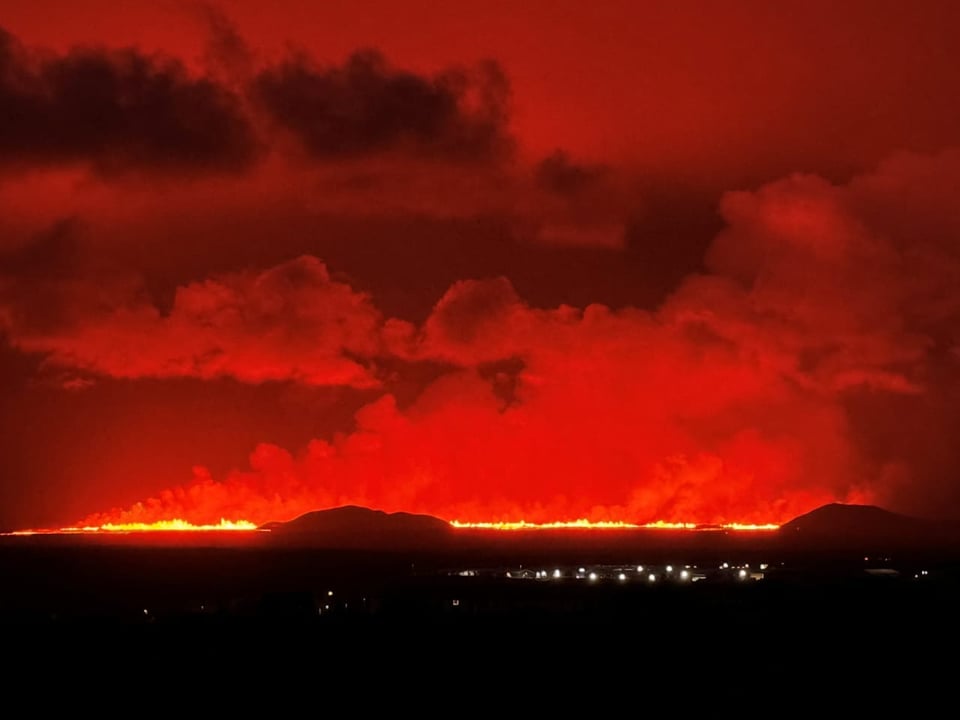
[(359, 527), (836, 526), (840, 525)]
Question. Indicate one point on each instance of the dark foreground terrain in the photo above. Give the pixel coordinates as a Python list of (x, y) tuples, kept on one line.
[(560, 625)]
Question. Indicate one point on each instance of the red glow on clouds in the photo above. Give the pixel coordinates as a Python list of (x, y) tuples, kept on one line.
[(723, 406), (428, 226)]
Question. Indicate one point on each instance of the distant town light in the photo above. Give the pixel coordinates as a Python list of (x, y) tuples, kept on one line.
[(743, 574), (684, 574), (669, 568), (651, 577), (593, 576), (639, 568), (622, 577), (556, 573)]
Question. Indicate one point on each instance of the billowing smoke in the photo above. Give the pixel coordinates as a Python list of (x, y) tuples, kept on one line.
[(814, 362), (291, 322)]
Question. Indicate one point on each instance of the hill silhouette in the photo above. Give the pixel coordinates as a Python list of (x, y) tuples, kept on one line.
[(840, 525), (359, 527), (835, 526)]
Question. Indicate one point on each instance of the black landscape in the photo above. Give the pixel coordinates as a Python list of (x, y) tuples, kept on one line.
[(355, 590)]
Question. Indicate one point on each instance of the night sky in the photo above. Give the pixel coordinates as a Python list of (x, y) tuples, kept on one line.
[(682, 261)]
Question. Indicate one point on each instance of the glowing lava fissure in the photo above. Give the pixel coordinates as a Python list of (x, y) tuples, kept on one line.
[(173, 525), (584, 524), (224, 525)]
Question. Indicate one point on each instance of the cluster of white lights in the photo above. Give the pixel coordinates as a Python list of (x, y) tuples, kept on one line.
[(682, 573)]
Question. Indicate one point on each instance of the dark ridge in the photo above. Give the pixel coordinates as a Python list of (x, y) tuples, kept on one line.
[(841, 525), (860, 528), (359, 527)]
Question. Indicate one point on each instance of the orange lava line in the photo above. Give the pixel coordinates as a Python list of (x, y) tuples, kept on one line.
[(174, 525), (584, 524), (178, 525)]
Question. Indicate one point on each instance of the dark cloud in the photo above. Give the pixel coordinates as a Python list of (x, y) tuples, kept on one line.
[(577, 204), (558, 173), (124, 110), (366, 106), (117, 110)]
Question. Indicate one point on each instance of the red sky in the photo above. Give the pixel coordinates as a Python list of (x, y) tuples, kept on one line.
[(633, 261)]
